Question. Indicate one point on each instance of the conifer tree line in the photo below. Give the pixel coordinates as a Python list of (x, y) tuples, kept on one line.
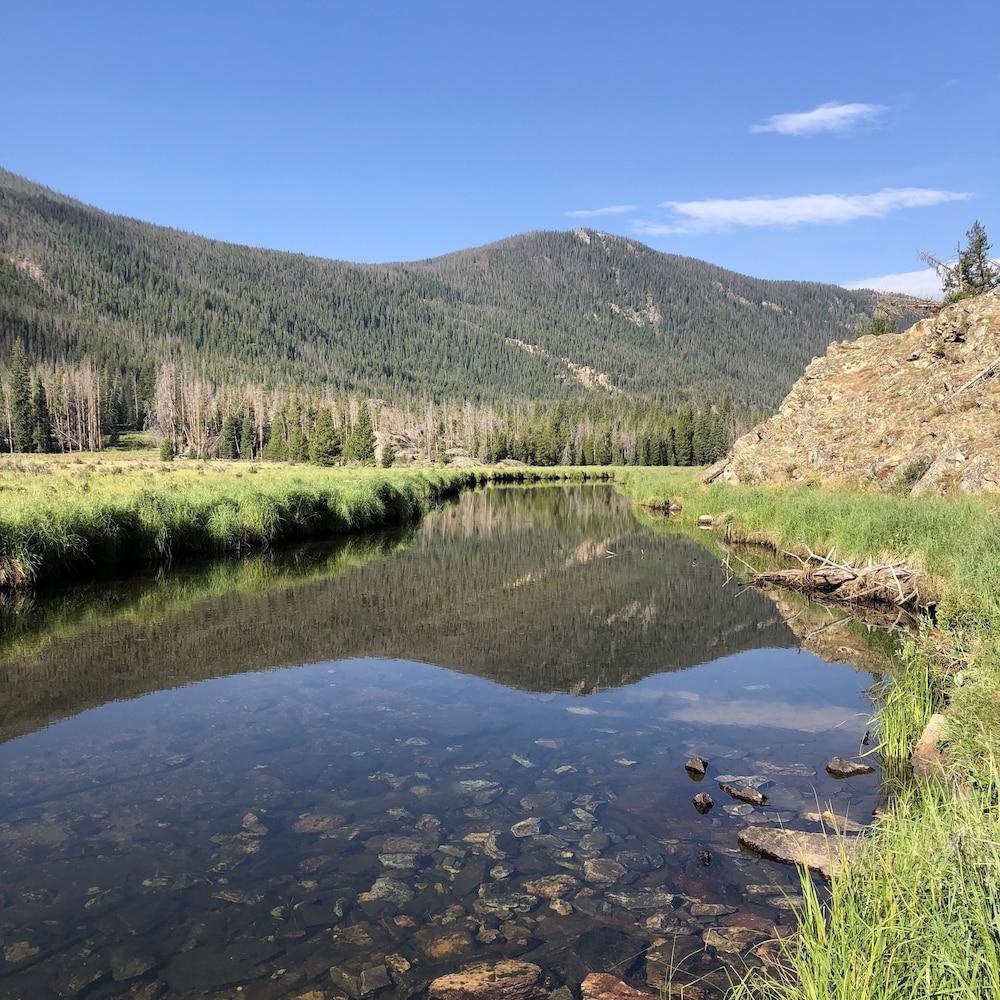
[(74, 408)]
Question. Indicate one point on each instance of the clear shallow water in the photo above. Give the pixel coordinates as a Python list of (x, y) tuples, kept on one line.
[(179, 820)]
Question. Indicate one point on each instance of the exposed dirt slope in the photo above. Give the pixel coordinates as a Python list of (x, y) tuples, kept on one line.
[(915, 411)]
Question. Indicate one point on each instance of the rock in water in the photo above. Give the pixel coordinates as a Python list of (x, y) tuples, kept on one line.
[(601, 986), (603, 871), (703, 802), (840, 768), (530, 827), (506, 980), (374, 980), (822, 852), (696, 766), (745, 794)]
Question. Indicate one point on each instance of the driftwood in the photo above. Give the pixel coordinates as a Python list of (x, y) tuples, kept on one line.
[(877, 583)]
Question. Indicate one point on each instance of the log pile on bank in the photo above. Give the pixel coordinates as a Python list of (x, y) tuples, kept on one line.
[(894, 584)]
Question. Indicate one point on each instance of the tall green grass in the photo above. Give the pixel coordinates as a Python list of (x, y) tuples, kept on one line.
[(58, 521)]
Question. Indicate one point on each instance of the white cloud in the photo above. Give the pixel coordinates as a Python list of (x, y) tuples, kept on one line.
[(831, 117), (645, 227), (925, 284), (590, 213), (809, 209)]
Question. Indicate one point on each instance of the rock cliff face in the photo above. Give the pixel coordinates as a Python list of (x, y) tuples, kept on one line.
[(911, 412)]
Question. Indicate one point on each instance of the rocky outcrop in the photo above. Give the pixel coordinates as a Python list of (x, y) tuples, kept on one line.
[(917, 411)]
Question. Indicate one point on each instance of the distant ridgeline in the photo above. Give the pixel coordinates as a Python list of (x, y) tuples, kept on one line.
[(113, 312)]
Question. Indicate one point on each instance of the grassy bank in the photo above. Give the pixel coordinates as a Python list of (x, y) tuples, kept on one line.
[(63, 518), (918, 915)]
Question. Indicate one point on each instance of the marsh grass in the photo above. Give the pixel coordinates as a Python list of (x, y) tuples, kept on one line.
[(915, 917)]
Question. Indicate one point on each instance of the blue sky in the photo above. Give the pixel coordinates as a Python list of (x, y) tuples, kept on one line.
[(824, 141)]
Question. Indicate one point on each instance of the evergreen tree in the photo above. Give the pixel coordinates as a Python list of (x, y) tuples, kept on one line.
[(228, 444), (297, 448), (324, 442), (167, 452), (683, 435), (362, 438), (41, 431), (978, 272), (699, 439), (22, 422), (388, 455), (246, 439)]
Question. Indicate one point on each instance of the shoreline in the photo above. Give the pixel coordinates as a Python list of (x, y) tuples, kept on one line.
[(916, 914)]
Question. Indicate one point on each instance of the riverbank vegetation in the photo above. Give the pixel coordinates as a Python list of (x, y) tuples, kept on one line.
[(62, 518), (917, 915)]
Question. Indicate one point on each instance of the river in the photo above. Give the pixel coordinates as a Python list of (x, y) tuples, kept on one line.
[(357, 766)]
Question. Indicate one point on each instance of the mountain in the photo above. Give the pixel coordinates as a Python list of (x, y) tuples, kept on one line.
[(918, 412), (538, 316)]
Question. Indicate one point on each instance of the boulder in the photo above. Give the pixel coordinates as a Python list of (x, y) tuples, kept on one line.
[(916, 411)]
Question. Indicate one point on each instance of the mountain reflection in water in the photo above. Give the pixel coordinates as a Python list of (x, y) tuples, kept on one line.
[(534, 655)]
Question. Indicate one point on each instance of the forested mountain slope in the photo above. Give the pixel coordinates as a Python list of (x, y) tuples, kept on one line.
[(538, 316)]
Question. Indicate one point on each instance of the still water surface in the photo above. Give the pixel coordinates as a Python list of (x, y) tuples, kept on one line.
[(179, 818)]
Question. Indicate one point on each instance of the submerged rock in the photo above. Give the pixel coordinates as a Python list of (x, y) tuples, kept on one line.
[(840, 768), (443, 945), (374, 980), (505, 980), (553, 886), (733, 939), (388, 889), (821, 852), (530, 827), (712, 909), (603, 871), (602, 986)]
